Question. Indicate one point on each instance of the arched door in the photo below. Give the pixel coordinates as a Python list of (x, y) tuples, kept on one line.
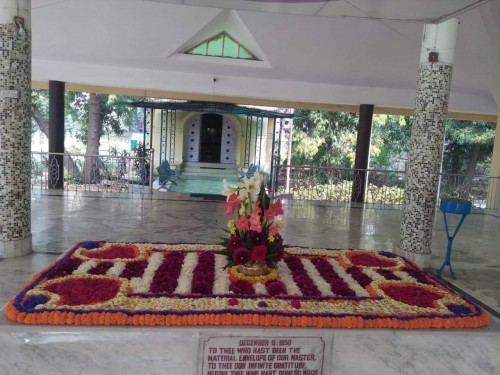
[(210, 138)]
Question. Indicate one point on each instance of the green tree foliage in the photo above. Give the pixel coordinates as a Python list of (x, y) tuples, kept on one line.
[(390, 139), (40, 104), (116, 116), (88, 117), (323, 138), (468, 143)]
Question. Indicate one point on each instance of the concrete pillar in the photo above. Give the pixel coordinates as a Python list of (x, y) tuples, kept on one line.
[(56, 133), (362, 152), (493, 201), (427, 138), (15, 128)]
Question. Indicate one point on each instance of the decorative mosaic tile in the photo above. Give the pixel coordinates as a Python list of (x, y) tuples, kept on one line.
[(15, 134), (425, 150)]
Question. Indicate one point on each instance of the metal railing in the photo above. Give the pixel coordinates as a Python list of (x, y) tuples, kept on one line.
[(470, 187), (130, 174), (383, 187), (99, 173)]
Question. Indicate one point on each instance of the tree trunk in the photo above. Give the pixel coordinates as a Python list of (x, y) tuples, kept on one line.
[(471, 166), (93, 139), (43, 124)]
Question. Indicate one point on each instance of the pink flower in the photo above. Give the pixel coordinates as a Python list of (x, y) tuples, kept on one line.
[(269, 214), (241, 255), (242, 224), (233, 202), (255, 220), (255, 225), (277, 207), (234, 242), (258, 253), (273, 230)]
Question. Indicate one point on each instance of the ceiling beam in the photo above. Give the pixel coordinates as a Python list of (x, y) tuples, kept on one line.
[(254, 101)]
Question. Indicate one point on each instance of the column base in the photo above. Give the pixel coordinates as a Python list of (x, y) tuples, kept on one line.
[(16, 248), (421, 260)]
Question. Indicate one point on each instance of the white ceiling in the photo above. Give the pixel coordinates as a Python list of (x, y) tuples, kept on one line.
[(337, 52)]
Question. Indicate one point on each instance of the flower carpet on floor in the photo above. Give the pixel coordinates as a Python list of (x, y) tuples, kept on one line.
[(110, 283)]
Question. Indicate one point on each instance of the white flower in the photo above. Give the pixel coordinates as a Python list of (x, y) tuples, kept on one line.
[(228, 190), (260, 178), (251, 187), (86, 266)]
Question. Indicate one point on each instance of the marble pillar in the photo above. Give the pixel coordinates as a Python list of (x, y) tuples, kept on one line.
[(15, 128), (427, 138)]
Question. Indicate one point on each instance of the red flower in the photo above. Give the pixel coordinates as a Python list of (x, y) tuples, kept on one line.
[(259, 253), (113, 252), (241, 287), (275, 287), (241, 255), (233, 202), (269, 214), (277, 207), (233, 243), (84, 291), (257, 238)]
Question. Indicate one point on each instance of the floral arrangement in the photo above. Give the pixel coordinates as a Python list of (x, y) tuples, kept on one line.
[(118, 283), (253, 236)]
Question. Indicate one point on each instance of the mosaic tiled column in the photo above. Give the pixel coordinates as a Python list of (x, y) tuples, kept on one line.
[(427, 138), (15, 128)]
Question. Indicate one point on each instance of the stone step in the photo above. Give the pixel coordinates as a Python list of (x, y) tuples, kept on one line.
[(204, 170)]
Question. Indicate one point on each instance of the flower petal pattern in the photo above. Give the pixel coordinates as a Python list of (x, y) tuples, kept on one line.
[(184, 284)]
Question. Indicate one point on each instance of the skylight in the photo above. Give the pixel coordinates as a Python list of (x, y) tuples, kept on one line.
[(222, 45)]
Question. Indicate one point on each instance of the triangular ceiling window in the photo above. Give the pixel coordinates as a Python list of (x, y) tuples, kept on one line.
[(222, 45)]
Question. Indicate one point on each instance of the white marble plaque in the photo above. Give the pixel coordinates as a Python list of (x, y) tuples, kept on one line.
[(9, 94), (263, 355)]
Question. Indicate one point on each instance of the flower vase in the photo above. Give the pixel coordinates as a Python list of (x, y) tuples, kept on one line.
[(254, 268)]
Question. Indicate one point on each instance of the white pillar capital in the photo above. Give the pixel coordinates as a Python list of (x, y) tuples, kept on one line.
[(440, 38), (11, 8)]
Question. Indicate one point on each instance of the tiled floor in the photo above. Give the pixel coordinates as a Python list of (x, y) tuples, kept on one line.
[(58, 221)]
